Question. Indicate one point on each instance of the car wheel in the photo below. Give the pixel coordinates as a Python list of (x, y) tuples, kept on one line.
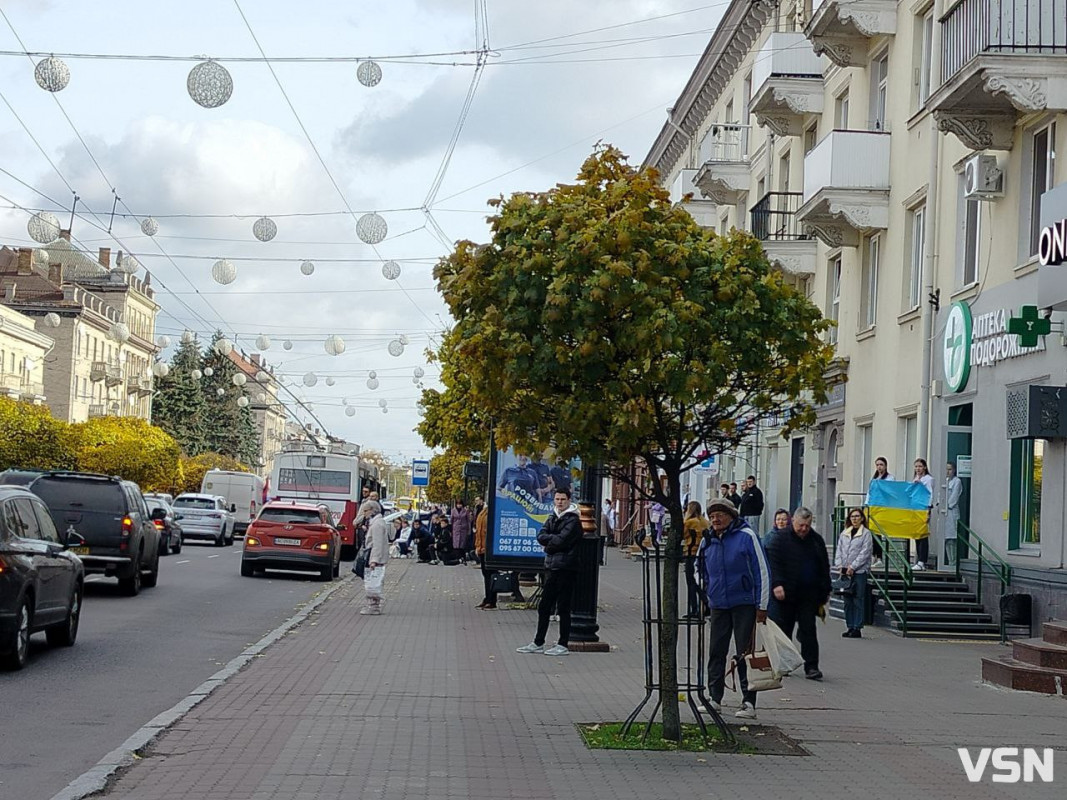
[(348, 552), (66, 633), (326, 573), (337, 570), (229, 540), (247, 570), (178, 547), (152, 578), (221, 540), (131, 586), (17, 646)]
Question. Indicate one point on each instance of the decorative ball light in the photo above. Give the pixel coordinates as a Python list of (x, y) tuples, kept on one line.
[(264, 229), (330, 382), (224, 271), (415, 380), (262, 377), (372, 374), (209, 84), (287, 345), (418, 372), (262, 342), (43, 227), (149, 227), (161, 369), (307, 267), (334, 345), (128, 264), (188, 337), (239, 379), (372, 383), (196, 374), (52, 320), (371, 228), (209, 371), (163, 341), (350, 412), (242, 401), (52, 74), (369, 73), (42, 256), (119, 331), (261, 397), (383, 403), (310, 379), (223, 347), (220, 391), (404, 340), (396, 348), (390, 270)]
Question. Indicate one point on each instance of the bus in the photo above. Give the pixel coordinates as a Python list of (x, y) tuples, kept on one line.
[(333, 476)]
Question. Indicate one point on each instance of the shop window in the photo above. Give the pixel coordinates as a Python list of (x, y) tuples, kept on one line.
[(962, 415), (1024, 513)]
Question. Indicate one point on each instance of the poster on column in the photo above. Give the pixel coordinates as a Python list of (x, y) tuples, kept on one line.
[(520, 503)]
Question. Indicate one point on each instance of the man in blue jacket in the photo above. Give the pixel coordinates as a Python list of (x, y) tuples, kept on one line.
[(739, 587)]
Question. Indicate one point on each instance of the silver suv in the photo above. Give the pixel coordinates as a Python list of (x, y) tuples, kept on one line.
[(205, 516)]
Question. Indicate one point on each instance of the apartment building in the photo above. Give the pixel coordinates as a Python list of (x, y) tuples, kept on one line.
[(268, 414), (78, 301), (22, 353), (898, 160)]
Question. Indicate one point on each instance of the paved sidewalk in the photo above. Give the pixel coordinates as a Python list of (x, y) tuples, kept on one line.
[(431, 701)]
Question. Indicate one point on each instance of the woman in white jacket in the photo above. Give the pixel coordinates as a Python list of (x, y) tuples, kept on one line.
[(853, 559), (378, 542)]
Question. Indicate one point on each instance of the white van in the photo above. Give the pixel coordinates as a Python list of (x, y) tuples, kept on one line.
[(243, 492)]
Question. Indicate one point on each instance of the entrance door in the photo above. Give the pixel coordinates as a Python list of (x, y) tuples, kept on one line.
[(796, 475), (957, 444), (828, 493)]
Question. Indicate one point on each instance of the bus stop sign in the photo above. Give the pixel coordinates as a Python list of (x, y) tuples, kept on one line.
[(420, 473)]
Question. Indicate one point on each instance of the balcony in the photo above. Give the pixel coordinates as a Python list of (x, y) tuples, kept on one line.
[(686, 194), (843, 29), (787, 81), (846, 187), (774, 222), (97, 410), (139, 384), (1000, 59), (725, 174), (110, 374)]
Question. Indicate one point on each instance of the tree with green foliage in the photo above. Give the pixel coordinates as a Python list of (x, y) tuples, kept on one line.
[(603, 321), (230, 429), (446, 476), (193, 469), (31, 438), (128, 447), (178, 406)]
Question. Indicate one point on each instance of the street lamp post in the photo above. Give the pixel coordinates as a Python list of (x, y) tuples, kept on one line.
[(584, 625)]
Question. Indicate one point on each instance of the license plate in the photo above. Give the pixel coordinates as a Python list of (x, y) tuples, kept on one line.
[(80, 551), (293, 542)]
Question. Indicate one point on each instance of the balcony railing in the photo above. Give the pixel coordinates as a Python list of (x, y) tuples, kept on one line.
[(1001, 27), (852, 160), (726, 142), (774, 217), (97, 410)]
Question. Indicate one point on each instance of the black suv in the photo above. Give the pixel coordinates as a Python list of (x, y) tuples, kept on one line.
[(40, 579), (121, 540)]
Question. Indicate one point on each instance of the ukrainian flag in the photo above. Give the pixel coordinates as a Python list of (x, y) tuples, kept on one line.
[(899, 509)]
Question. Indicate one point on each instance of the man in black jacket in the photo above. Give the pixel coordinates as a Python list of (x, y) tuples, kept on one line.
[(751, 507), (560, 537), (800, 581)]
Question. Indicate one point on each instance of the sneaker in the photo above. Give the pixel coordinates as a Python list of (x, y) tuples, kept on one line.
[(369, 612), (846, 635), (711, 705), (530, 648), (747, 711), (813, 674), (919, 566), (557, 650)]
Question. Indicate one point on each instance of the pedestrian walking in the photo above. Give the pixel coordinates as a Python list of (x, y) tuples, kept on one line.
[(693, 529), (922, 545), (481, 530), (953, 495), (560, 537), (461, 526), (800, 577), (378, 541), (737, 581), (782, 519), (751, 506), (852, 560), (734, 497)]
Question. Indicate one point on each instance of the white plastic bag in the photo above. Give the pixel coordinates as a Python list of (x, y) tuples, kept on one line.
[(780, 649), (372, 583)]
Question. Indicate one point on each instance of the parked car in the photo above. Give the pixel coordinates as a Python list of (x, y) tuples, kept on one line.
[(19, 477), (205, 516), (166, 498), (111, 515), (243, 493), (165, 518), (41, 580), (298, 536)]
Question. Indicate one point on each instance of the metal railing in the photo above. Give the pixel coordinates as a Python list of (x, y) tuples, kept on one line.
[(973, 27), (725, 142), (967, 543), (774, 217), (895, 561)]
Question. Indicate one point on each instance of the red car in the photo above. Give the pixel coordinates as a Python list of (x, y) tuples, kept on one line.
[(298, 536)]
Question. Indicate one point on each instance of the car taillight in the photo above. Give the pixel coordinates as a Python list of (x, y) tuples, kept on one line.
[(127, 531), (158, 524), (324, 546), (251, 541), (3, 566)]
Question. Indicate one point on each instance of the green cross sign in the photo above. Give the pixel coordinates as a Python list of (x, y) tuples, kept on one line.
[(1029, 326)]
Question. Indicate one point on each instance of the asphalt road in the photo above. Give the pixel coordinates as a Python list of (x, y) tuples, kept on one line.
[(135, 657)]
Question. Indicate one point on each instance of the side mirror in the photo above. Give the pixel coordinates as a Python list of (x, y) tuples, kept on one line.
[(73, 539), (177, 516), (159, 513), (233, 507)]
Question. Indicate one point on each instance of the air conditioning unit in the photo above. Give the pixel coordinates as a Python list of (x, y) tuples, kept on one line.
[(1037, 412), (982, 178)]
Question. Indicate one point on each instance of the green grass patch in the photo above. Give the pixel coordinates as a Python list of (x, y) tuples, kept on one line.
[(608, 736)]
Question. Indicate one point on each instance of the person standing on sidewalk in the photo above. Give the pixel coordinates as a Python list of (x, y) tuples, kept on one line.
[(481, 530), (560, 537), (751, 507), (693, 530), (953, 494), (461, 526), (853, 560), (800, 576), (738, 581), (922, 545), (378, 541)]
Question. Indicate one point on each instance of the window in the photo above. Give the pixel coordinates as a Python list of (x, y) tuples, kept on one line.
[(916, 246), (783, 173), (811, 137), (45, 525), (27, 520), (909, 437), (871, 262), (926, 36), (864, 452), (841, 111), (1042, 173), (1024, 513), (972, 230), (879, 91), (835, 297)]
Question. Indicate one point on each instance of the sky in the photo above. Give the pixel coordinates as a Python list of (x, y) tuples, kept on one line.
[(560, 76)]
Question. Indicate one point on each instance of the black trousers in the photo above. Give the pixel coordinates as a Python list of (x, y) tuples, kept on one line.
[(692, 589), (487, 577), (801, 615), (922, 549), (556, 596), (740, 623)]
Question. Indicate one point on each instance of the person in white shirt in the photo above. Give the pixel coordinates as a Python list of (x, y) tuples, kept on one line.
[(953, 493), (922, 546), (855, 547)]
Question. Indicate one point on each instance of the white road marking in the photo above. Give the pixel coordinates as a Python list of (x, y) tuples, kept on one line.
[(184, 562), (93, 579), (212, 556)]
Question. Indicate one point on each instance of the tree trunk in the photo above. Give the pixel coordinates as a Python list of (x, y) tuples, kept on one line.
[(668, 630)]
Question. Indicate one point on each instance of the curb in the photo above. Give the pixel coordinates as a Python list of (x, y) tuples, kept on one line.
[(95, 779)]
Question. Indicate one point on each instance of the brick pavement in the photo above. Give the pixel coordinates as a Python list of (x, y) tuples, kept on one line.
[(431, 701)]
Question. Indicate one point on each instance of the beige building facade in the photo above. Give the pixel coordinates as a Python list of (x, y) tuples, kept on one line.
[(895, 159), (22, 355), (268, 413)]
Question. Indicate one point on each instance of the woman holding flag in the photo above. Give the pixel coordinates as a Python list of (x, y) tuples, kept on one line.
[(922, 545)]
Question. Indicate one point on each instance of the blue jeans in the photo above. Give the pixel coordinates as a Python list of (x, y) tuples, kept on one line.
[(854, 604)]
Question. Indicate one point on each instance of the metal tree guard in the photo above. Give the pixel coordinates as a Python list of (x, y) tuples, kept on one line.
[(692, 678)]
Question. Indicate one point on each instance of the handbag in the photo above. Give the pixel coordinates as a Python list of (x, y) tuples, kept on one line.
[(844, 585), (360, 567), (760, 673), (503, 582)]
